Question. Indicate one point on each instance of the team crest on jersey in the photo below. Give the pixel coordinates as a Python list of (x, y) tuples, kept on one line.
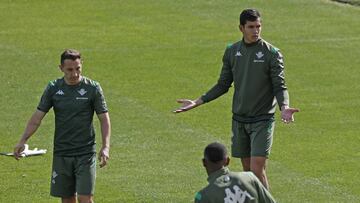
[(259, 57), (82, 92)]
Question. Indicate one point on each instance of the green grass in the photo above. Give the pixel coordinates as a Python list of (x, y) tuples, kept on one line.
[(146, 54)]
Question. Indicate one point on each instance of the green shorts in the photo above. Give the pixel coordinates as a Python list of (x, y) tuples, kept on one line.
[(73, 175), (252, 139)]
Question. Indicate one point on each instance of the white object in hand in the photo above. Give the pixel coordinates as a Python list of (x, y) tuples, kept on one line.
[(35, 151)]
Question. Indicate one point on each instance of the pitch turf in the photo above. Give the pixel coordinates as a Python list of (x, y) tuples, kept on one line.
[(146, 54)]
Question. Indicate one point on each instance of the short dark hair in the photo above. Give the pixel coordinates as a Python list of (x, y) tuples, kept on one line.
[(70, 54), (215, 152), (249, 14)]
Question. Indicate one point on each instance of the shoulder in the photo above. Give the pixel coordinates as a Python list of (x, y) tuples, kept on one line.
[(269, 47), (247, 176), (201, 196), (92, 85), (233, 46), (53, 84), (89, 82), (56, 82), (232, 49)]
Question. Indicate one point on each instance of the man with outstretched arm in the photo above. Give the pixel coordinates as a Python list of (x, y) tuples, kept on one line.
[(256, 69)]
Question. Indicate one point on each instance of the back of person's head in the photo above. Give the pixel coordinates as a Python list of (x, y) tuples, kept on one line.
[(70, 54), (249, 14), (215, 152)]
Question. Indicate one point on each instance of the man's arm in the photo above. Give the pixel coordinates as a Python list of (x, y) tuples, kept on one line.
[(279, 87), (32, 125), (105, 134), (222, 86)]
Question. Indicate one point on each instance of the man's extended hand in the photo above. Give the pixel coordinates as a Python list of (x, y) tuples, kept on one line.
[(187, 104), (104, 156), (18, 149), (287, 114)]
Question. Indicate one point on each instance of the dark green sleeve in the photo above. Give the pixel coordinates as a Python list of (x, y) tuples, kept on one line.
[(263, 194), (224, 81), (278, 78), (100, 103), (200, 198), (46, 103)]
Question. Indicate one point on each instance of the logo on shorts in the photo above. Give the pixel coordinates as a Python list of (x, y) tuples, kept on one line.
[(54, 175)]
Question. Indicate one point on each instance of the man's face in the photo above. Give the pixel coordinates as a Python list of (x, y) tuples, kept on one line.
[(72, 71), (251, 30)]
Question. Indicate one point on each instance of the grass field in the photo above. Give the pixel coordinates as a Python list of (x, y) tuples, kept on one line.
[(146, 54)]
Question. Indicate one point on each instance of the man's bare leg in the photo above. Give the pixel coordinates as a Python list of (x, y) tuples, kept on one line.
[(85, 198), (68, 199), (246, 163), (258, 166)]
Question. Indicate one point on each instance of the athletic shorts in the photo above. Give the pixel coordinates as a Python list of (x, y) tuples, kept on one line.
[(252, 139), (73, 175)]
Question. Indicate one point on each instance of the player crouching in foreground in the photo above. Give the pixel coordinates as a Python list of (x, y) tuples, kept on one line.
[(226, 186)]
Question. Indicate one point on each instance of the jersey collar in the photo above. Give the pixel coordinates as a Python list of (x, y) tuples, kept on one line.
[(213, 176)]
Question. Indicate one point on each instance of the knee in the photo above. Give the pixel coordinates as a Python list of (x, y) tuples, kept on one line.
[(258, 165), (259, 171), (85, 199), (246, 164), (71, 199)]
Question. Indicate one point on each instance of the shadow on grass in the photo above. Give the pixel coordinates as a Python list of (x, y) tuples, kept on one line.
[(351, 2)]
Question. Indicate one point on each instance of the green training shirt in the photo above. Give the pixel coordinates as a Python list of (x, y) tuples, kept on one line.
[(233, 187), (257, 72), (74, 107)]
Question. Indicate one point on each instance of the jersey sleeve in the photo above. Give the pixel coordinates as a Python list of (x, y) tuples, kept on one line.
[(200, 198), (278, 78), (46, 102), (100, 103), (224, 82)]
